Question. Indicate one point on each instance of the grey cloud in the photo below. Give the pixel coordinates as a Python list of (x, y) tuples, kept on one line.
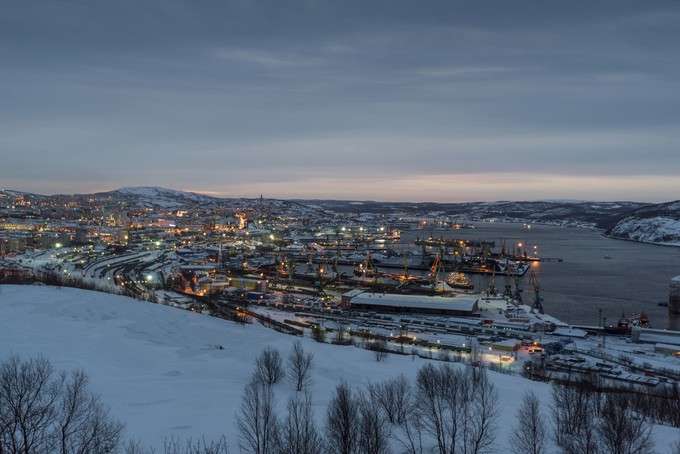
[(188, 92)]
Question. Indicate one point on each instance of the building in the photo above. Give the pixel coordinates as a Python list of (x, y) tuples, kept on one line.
[(667, 349), (122, 237), (674, 297), (13, 243), (655, 336), (50, 240), (507, 345), (80, 236), (458, 305)]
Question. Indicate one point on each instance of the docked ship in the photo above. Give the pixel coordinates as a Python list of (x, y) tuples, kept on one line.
[(459, 280), (411, 262), (494, 266), (625, 324)]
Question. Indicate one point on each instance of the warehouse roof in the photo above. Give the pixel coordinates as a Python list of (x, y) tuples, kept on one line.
[(452, 303)]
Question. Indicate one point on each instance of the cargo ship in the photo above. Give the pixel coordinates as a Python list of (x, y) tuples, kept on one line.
[(625, 324)]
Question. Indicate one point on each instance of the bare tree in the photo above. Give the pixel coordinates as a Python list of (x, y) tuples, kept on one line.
[(29, 394), (199, 446), (177, 446), (432, 404), (395, 399), (342, 422), (393, 396), (84, 424), (475, 356), (410, 430), (622, 430), (530, 433), (42, 411), (134, 447), (269, 367), (257, 423), (298, 433), (482, 412), (459, 408), (380, 350), (444, 355), (299, 367), (574, 419), (374, 428)]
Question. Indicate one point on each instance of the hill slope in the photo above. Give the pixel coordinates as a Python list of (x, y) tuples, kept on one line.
[(162, 372), (658, 224), (160, 369)]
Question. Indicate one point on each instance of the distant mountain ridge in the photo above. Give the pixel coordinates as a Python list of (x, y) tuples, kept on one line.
[(646, 222), (152, 196), (657, 223), (157, 197)]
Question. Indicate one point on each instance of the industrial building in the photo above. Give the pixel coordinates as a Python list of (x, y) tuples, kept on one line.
[(674, 297), (458, 305)]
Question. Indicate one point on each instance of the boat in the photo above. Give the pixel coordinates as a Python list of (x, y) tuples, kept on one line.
[(499, 267), (625, 325), (412, 262), (459, 280), (363, 270), (641, 320)]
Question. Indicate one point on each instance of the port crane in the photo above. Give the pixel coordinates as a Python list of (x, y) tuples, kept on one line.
[(507, 291), (434, 271), (310, 263), (512, 292), (491, 290), (537, 293), (517, 295), (405, 261), (290, 262)]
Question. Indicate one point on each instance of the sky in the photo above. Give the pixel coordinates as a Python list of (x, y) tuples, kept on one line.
[(427, 100)]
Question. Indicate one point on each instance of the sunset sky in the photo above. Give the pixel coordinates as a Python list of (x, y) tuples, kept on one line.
[(352, 99)]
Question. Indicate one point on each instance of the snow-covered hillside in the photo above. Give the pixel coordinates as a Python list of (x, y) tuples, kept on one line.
[(658, 224), (657, 229), (161, 197), (567, 213), (162, 372)]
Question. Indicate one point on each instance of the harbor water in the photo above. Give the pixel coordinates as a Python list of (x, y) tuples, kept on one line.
[(595, 273)]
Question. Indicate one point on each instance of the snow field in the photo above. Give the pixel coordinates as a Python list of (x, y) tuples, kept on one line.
[(161, 371)]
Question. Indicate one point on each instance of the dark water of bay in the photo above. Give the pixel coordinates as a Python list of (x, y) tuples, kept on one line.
[(635, 278)]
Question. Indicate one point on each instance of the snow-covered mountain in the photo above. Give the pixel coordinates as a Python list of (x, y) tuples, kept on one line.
[(658, 224), (645, 222), (564, 212), (153, 197), (150, 196), (653, 223)]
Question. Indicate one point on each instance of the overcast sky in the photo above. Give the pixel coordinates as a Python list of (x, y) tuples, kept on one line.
[(383, 100)]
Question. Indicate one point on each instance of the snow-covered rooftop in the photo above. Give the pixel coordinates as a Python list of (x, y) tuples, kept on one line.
[(453, 303)]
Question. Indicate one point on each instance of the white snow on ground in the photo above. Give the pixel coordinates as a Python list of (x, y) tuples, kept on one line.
[(161, 370)]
